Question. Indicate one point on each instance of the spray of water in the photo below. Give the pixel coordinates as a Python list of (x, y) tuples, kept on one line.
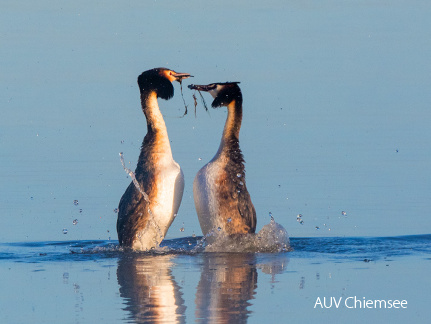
[(271, 238), (151, 222), (132, 175)]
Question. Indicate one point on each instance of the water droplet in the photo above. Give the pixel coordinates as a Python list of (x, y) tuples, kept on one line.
[(241, 183), (175, 215), (343, 213), (317, 228), (122, 141), (75, 202), (64, 230), (239, 175), (193, 235), (31, 198), (182, 229), (116, 210), (200, 159), (271, 217), (80, 210), (219, 229), (299, 219), (229, 220), (75, 221)]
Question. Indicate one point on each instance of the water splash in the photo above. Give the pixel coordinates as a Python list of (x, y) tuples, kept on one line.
[(271, 217), (156, 238), (299, 219), (340, 249), (133, 177), (272, 238)]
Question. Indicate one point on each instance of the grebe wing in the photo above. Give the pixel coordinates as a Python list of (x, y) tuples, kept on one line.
[(246, 209)]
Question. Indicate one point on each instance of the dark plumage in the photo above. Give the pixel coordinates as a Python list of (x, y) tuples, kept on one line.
[(154, 80)]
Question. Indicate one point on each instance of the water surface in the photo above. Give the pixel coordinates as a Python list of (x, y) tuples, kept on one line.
[(95, 281)]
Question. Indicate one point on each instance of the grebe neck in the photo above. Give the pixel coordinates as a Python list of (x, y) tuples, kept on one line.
[(156, 141), (230, 137)]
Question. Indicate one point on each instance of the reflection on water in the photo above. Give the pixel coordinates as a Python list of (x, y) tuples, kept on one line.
[(149, 289), (227, 284), (215, 287)]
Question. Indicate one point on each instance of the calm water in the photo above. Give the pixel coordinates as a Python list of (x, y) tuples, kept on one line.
[(95, 282), (336, 129)]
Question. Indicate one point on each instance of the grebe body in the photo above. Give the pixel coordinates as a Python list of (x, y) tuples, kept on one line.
[(148, 208), (222, 201)]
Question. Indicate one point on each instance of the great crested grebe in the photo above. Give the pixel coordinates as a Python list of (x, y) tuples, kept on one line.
[(145, 214), (221, 198)]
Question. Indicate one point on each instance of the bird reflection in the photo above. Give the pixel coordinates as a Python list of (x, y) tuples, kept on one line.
[(228, 281), (149, 289)]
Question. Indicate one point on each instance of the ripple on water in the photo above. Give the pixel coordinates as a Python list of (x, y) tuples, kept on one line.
[(272, 238)]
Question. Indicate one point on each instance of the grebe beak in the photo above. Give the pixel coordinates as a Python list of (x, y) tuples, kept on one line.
[(180, 76), (201, 87)]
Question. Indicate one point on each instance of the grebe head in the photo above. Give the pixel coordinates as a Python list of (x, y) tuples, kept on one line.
[(223, 93), (160, 80)]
